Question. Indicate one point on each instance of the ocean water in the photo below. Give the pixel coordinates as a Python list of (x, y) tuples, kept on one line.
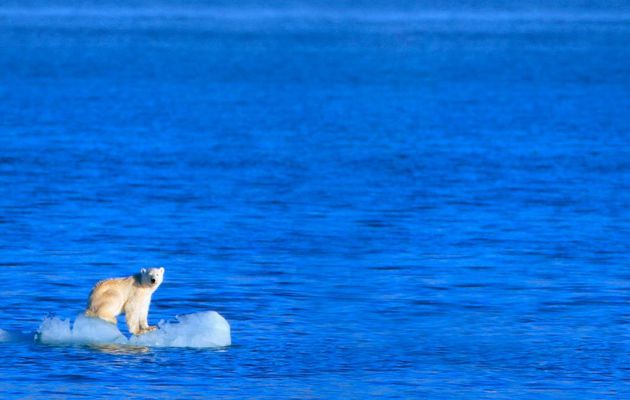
[(382, 199)]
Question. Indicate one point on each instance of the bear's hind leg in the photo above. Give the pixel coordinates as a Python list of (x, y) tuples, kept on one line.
[(101, 315), (112, 320)]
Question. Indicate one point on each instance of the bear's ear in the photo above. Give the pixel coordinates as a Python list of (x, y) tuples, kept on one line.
[(143, 271), (162, 269)]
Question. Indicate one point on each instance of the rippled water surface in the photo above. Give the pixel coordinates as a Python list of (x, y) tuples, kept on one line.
[(383, 202)]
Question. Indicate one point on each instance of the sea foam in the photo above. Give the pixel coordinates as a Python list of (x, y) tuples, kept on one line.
[(203, 329)]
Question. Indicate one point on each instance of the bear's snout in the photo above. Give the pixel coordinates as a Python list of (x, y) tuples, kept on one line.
[(152, 280)]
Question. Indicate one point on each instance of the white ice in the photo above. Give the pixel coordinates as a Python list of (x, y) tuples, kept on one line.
[(203, 329), (4, 336), (84, 330)]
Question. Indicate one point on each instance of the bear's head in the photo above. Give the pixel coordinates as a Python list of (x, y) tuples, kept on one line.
[(152, 277)]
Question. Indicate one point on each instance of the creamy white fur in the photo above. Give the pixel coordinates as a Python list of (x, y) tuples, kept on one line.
[(130, 295)]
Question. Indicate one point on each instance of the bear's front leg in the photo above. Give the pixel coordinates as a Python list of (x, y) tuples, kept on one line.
[(145, 327), (133, 324)]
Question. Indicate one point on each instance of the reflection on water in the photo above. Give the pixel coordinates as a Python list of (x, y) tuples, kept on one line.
[(119, 349)]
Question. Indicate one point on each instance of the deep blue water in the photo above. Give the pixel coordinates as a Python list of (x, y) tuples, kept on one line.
[(383, 200)]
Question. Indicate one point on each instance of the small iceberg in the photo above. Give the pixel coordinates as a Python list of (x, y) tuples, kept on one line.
[(85, 330), (204, 329), (198, 330)]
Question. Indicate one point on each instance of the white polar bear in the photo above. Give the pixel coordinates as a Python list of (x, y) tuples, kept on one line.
[(131, 295)]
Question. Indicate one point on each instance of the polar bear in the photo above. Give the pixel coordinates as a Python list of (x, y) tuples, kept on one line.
[(131, 295)]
